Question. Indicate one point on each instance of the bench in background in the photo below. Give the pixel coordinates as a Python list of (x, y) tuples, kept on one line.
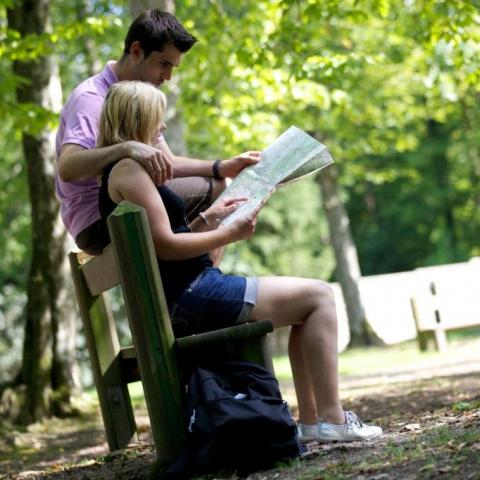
[(441, 306)]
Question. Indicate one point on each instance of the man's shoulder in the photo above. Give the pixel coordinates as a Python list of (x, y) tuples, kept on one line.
[(80, 114), (91, 89)]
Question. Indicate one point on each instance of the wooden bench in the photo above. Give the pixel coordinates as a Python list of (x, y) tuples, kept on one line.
[(156, 358), (441, 306)]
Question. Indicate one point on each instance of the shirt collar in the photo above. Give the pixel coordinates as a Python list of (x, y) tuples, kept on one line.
[(108, 74)]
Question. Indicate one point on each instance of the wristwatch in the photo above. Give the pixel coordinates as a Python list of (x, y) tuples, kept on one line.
[(216, 170)]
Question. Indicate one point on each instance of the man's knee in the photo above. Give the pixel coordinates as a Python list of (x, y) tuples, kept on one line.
[(196, 193), (218, 186)]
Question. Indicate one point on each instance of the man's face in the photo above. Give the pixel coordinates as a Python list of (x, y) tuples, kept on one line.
[(158, 66)]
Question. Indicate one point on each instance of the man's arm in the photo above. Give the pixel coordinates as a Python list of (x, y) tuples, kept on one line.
[(78, 163), (191, 167)]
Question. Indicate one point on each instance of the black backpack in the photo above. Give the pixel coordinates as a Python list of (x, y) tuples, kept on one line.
[(237, 421)]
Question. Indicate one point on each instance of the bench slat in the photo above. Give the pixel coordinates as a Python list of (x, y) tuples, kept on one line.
[(238, 332), (101, 272), (128, 352)]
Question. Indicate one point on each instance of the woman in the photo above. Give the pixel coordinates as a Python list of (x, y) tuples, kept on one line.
[(200, 297)]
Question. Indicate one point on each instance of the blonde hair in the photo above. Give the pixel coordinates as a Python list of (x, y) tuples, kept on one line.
[(132, 110)]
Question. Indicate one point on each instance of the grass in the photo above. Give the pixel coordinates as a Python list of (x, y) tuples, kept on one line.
[(136, 394), (466, 406), (405, 356)]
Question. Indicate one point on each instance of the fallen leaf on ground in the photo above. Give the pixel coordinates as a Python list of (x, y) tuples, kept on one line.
[(410, 427)]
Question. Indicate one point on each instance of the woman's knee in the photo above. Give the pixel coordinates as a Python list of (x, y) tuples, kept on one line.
[(318, 296), (322, 293), (325, 301), (290, 301)]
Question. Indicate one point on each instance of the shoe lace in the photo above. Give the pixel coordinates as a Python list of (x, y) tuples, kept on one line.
[(351, 420)]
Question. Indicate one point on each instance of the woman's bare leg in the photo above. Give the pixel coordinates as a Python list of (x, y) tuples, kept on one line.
[(307, 406), (309, 306)]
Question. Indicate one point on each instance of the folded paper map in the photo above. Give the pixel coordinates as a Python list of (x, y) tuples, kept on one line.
[(290, 157)]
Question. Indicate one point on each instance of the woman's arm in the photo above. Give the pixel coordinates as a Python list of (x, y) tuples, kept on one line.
[(210, 219), (130, 181)]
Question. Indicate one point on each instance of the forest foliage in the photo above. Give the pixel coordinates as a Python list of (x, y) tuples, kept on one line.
[(391, 86)]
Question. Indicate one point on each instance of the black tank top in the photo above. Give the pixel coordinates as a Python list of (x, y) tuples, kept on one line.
[(178, 274)]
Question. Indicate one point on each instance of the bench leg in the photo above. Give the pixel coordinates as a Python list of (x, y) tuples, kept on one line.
[(422, 336), (440, 339), (422, 339), (104, 352)]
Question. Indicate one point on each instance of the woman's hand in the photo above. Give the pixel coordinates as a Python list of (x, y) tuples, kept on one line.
[(243, 227), (221, 209)]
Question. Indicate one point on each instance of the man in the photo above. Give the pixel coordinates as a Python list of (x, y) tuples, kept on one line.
[(154, 46)]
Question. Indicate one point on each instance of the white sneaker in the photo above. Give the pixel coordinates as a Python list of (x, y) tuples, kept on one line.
[(352, 430)]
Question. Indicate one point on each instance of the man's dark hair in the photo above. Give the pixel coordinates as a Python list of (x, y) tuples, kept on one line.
[(154, 29)]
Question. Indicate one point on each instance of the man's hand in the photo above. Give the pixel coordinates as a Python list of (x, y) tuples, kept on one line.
[(155, 162), (231, 168)]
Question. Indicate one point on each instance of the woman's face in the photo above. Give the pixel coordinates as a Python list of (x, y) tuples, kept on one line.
[(160, 129)]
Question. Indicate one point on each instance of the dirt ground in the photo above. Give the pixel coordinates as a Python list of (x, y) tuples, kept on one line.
[(430, 416)]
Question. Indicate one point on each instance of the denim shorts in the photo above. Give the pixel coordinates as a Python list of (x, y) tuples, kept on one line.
[(212, 301)]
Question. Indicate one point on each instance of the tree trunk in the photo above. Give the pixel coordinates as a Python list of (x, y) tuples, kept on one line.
[(48, 367), (175, 131), (347, 268)]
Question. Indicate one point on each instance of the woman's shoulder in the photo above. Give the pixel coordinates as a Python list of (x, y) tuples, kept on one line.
[(126, 174), (128, 168), (127, 164)]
